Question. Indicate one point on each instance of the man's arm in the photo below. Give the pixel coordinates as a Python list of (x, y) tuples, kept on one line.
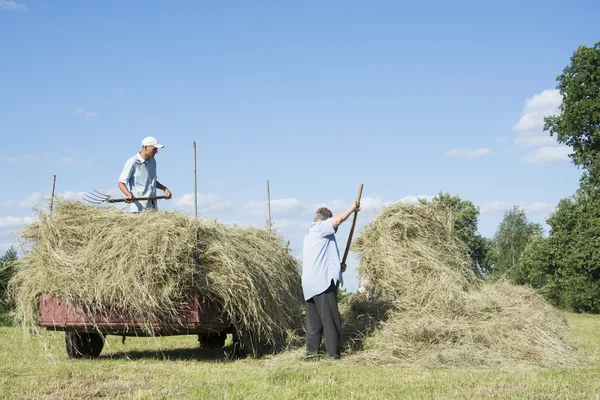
[(341, 217), (124, 178), (125, 191), (163, 187)]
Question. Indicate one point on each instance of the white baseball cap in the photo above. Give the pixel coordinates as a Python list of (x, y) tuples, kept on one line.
[(151, 141)]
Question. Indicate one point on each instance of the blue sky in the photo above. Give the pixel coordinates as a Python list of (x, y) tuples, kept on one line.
[(408, 99)]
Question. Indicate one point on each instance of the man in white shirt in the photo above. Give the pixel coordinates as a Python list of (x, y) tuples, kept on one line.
[(139, 179), (321, 271)]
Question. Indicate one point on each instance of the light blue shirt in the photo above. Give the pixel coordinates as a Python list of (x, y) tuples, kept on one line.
[(140, 177), (320, 259)]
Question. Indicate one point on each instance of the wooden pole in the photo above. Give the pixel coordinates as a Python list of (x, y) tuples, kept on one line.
[(52, 195), (268, 207), (360, 189), (195, 185)]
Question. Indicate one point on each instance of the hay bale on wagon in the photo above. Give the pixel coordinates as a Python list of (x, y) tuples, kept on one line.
[(143, 266), (428, 309)]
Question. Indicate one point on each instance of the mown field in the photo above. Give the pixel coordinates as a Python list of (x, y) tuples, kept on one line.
[(175, 367)]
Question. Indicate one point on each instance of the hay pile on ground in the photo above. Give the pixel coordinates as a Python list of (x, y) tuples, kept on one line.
[(426, 307), (142, 266)]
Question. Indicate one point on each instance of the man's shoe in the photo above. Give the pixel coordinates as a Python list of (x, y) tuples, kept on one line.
[(311, 357)]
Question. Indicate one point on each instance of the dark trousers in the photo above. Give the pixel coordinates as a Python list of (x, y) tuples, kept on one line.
[(322, 315)]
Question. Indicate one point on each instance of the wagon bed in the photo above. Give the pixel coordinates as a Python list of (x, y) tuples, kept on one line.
[(85, 337)]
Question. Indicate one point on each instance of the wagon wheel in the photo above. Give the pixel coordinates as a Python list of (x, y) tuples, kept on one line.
[(83, 345)]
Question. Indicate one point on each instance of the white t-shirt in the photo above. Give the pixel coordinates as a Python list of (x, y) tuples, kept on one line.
[(320, 259)]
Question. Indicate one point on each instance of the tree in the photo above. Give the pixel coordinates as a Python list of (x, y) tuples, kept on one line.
[(578, 124), (466, 216), (6, 272), (513, 234), (566, 265)]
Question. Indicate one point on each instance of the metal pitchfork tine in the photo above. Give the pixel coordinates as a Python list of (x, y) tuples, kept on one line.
[(95, 197)]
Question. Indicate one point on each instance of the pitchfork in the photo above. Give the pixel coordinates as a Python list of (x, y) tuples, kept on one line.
[(95, 197)]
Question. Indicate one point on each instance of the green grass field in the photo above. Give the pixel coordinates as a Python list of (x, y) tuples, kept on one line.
[(175, 367)]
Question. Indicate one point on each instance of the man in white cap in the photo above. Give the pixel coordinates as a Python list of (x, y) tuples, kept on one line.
[(138, 178)]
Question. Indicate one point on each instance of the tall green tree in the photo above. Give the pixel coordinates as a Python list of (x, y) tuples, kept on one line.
[(513, 234), (6, 272), (465, 216), (566, 265), (578, 124)]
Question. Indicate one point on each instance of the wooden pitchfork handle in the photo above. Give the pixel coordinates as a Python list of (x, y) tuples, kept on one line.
[(136, 198), (360, 189)]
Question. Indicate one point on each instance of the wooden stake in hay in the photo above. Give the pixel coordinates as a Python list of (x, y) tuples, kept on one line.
[(142, 266), (431, 309)]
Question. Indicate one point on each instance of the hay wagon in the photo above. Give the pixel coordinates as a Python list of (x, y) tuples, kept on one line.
[(85, 336), (87, 273)]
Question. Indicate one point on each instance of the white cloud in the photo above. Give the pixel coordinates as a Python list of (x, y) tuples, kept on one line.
[(530, 126), (7, 160), (530, 207), (549, 154), (468, 153), (493, 207), (30, 202), (534, 141), (15, 221), (372, 203), (279, 207), (286, 224), (334, 205), (206, 202), (286, 206), (536, 207), (33, 200), (12, 5), (415, 199), (120, 93), (39, 200), (70, 195), (86, 113)]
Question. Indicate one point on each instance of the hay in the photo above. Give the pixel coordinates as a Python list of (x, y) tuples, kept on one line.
[(141, 267), (426, 308)]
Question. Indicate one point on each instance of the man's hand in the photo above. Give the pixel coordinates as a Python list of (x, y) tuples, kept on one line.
[(343, 267), (126, 192), (168, 194), (341, 217)]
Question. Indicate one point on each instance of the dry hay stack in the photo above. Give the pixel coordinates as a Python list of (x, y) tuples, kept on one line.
[(141, 266), (426, 308)]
